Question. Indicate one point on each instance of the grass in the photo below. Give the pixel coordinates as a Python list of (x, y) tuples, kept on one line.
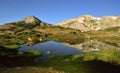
[(29, 69), (61, 34), (110, 56), (11, 46), (111, 38), (114, 29), (47, 34), (106, 61), (96, 62), (34, 53), (66, 67)]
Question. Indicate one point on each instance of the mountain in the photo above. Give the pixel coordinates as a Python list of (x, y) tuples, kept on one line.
[(83, 23), (28, 21), (25, 24), (88, 22)]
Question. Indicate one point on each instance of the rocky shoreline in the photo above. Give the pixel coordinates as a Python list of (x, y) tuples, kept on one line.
[(91, 45)]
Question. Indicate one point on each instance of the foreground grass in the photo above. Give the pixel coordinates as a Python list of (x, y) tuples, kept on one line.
[(95, 62), (106, 61), (30, 69)]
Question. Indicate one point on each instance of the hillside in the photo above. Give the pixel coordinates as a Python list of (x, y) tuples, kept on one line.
[(88, 22), (22, 25)]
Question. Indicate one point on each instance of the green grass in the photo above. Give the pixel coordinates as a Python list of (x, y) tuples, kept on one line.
[(106, 61), (34, 53), (110, 56), (11, 46), (30, 69)]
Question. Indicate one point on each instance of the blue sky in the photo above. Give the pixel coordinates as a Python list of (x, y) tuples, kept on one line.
[(54, 11)]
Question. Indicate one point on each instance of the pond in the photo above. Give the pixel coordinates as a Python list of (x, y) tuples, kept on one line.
[(50, 48)]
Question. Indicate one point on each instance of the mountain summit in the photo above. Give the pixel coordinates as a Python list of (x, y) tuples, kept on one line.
[(33, 21), (30, 19)]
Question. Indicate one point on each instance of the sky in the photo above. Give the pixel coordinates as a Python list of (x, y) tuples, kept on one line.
[(55, 11)]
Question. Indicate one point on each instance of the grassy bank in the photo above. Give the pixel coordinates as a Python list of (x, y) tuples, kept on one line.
[(107, 61)]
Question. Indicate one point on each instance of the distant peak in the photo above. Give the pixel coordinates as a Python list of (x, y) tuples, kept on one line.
[(85, 16), (88, 15), (30, 19)]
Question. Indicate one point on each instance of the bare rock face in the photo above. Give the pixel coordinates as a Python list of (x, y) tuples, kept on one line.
[(33, 21), (30, 19), (88, 22), (118, 20)]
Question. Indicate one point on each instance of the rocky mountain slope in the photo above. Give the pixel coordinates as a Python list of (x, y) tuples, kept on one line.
[(83, 23), (88, 22), (92, 45), (21, 25)]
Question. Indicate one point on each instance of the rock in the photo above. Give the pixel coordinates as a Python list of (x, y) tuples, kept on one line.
[(18, 68), (48, 52), (40, 39), (95, 49), (92, 45), (29, 41), (30, 19)]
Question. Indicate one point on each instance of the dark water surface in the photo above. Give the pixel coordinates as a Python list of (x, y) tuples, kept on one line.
[(50, 48)]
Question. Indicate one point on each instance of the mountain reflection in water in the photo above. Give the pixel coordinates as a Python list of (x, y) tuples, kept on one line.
[(50, 48)]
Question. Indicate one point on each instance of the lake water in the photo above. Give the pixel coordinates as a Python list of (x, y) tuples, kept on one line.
[(50, 48)]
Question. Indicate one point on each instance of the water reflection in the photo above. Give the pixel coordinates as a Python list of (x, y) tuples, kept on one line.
[(51, 48)]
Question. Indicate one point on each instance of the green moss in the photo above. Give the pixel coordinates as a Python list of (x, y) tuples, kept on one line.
[(33, 53), (11, 46), (89, 57), (110, 56)]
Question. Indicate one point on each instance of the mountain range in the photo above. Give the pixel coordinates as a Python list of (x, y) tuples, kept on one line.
[(82, 23), (88, 22)]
